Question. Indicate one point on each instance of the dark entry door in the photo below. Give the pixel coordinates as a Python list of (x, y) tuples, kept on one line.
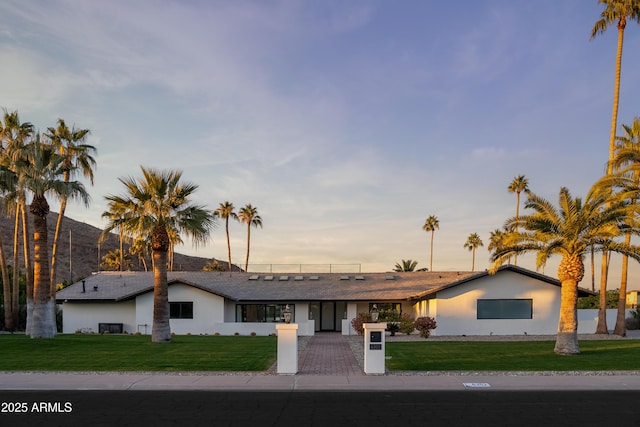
[(328, 316)]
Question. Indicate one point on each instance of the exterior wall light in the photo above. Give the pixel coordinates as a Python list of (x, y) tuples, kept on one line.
[(287, 314), (374, 313)]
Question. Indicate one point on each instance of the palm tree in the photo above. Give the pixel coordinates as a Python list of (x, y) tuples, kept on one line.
[(431, 224), (616, 11), (115, 214), (42, 177), (77, 156), (569, 231), (7, 181), (496, 238), (225, 211), (518, 185), (473, 242), (407, 265), (14, 136), (111, 261), (157, 202), (627, 154), (249, 215)]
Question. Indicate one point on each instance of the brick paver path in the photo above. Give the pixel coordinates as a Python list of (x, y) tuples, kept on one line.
[(328, 353)]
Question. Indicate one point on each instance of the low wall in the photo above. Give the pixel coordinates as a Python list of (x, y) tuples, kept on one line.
[(588, 319), (260, 328)]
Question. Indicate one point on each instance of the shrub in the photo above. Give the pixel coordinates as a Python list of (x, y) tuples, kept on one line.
[(358, 322), (253, 334), (406, 324), (632, 323), (425, 325), (393, 327)]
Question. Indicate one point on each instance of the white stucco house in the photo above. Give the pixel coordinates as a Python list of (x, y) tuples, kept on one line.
[(513, 301)]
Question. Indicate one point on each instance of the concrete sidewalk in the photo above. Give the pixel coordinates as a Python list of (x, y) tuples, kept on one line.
[(460, 381), (326, 362)]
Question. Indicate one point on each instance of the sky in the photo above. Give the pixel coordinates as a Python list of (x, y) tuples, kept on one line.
[(346, 123)]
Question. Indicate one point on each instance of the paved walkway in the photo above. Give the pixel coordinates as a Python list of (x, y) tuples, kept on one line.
[(328, 353)]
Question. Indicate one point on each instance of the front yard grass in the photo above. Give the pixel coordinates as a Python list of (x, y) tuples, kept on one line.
[(598, 355), (136, 353)]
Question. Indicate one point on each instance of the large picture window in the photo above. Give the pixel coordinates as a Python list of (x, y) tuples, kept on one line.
[(272, 313), (181, 310), (505, 309)]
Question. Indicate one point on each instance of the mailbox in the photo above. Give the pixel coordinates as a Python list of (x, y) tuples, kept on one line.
[(374, 348)]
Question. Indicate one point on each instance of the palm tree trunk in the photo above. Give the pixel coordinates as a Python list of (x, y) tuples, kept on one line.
[(54, 247), (431, 253), (601, 327), (161, 329), (473, 260), (621, 327), (570, 273), (15, 301), (246, 263), (43, 303), (228, 243), (6, 288), (27, 265), (567, 339)]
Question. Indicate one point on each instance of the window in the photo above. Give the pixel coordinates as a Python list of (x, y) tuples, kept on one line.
[(389, 311), (263, 312), (180, 310), (505, 309)]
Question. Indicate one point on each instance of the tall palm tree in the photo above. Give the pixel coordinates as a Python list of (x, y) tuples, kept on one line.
[(518, 185), (431, 224), (616, 11), (627, 156), (225, 211), (249, 215), (157, 202), (7, 181), (43, 177), (569, 230), (14, 136), (77, 157), (473, 242)]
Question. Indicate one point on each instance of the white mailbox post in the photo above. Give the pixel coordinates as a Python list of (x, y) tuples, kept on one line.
[(287, 348), (374, 348)]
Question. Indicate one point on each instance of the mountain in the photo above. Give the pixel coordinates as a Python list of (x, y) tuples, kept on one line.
[(85, 258)]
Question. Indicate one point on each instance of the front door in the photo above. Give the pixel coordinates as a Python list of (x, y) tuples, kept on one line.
[(328, 316)]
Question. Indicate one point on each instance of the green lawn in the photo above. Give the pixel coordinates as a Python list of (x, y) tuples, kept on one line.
[(136, 353), (428, 355), (242, 353)]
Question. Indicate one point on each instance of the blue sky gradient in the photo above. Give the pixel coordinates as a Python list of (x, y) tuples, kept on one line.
[(345, 123)]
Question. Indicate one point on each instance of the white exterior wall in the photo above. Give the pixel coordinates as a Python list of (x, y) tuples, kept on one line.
[(588, 319), (77, 316), (207, 310), (456, 308)]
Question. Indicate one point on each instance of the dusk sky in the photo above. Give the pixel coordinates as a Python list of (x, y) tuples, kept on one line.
[(346, 123)]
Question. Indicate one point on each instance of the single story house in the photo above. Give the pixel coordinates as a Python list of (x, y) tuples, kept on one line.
[(513, 301)]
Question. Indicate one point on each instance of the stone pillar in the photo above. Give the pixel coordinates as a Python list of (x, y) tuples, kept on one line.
[(374, 348), (287, 348)]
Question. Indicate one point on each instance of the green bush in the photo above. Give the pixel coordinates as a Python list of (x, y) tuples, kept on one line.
[(393, 327), (406, 324), (425, 325)]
